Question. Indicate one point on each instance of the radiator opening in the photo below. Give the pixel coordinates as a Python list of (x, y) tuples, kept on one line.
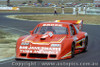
[(53, 56), (38, 55), (23, 54)]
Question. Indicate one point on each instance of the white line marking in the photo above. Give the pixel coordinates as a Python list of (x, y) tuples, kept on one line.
[(9, 17), (6, 62)]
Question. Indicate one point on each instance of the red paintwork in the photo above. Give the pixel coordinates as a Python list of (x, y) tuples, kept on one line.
[(42, 49)]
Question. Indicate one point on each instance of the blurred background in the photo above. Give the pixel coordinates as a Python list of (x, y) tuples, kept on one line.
[(46, 3), (48, 6)]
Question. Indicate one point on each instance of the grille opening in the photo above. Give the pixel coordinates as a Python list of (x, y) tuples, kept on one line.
[(38, 55), (42, 38), (53, 56), (23, 54), (80, 43)]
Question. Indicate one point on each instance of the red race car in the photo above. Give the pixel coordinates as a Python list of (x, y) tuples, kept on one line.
[(53, 41)]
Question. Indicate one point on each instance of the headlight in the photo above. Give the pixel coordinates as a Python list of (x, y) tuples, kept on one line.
[(23, 43), (55, 45)]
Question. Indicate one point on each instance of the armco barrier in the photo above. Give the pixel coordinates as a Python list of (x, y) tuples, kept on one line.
[(93, 11)]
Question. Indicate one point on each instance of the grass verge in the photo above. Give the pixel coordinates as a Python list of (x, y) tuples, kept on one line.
[(88, 19), (7, 44), (39, 10)]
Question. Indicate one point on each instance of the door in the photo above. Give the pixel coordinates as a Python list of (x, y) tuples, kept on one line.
[(76, 35)]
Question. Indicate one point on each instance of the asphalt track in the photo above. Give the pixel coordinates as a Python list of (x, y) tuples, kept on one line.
[(80, 60)]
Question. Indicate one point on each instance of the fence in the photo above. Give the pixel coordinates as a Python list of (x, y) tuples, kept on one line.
[(95, 11)]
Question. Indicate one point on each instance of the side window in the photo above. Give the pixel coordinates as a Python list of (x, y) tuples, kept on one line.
[(72, 30), (67, 31), (76, 29)]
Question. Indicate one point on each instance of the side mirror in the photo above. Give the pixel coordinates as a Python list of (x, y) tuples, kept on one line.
[(31, 32)]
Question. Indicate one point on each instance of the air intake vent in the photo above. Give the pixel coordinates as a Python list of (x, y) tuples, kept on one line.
[(38, 55), (42, 38), (53, 56), (23, 54)]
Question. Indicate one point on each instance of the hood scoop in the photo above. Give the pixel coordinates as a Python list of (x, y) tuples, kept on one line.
[(48, 34)]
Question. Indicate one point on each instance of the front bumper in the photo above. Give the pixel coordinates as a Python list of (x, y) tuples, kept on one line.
[(38, 53), (37, 56)]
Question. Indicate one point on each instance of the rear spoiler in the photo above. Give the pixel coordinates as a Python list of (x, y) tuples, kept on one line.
[(71, 21), (78, 23)]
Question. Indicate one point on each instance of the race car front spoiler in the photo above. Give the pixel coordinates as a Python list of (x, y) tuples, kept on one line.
[(37, 56)]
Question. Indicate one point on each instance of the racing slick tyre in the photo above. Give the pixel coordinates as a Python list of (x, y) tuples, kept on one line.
[(72, 50), (86, 44)]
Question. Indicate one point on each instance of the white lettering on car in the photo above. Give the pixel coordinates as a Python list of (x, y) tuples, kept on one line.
[(49, 50), (52, 24)]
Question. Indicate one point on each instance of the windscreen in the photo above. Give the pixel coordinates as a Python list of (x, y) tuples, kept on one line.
[(54, 29)]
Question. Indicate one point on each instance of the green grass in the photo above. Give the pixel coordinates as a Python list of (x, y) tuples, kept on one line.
[(44, 10), (5, 41), (88, 19), (2, 34), (6, 37), (39, 10), (7, 52), (7, 44)]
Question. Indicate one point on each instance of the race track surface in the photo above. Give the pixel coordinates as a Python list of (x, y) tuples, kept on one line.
[(91, 57)]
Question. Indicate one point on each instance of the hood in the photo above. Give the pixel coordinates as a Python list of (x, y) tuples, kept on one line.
[(36, 39)]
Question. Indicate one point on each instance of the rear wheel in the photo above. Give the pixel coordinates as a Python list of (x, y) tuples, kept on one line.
[(86, 44), (72, 50)]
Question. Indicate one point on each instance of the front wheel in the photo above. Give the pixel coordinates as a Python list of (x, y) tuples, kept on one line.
[(72, 50), (86, 44)]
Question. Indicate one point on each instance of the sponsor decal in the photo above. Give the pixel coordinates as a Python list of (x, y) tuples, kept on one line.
[(23, 47), (48, 50), (52, 24)]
